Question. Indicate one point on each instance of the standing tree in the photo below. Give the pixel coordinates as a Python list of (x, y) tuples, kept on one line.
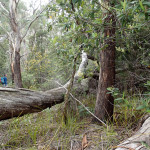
[(89, 20), (15, 42), (16, 37), (105, 102)]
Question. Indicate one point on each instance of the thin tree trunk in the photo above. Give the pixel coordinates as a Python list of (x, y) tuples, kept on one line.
[(104, 102), (11, 61), (16, 44), (12, 72)]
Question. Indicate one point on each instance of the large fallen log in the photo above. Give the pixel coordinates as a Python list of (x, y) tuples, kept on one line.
[(139, 141), (17, 102)]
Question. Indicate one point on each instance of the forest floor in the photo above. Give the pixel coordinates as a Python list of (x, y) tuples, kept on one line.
[(46, 130)]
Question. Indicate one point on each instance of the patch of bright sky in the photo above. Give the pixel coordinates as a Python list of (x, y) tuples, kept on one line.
[(35, 3)]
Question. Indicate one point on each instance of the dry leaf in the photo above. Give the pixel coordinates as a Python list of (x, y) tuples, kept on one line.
[(84, 142)]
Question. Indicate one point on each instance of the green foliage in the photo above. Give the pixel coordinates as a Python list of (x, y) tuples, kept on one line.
[(147, 85), (128, 10), (3, 60), (146, 100), (83, 112), (119, 98), (28, 80), (4, 57), (145, 105)]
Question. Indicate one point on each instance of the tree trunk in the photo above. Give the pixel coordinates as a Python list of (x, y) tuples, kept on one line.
[(17, 102), (17, 70), (104, 102), (15, 41), (12, 72), (11, 61)]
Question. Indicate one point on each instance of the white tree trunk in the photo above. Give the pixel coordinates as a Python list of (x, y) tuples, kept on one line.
[(15, 42)]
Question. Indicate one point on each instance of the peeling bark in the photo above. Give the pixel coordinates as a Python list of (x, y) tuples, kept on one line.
[(15, 42)]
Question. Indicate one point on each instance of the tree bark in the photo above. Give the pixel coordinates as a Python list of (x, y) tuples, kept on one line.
[(139, 141), (16, 40), (104, 102), (17, 102), (17, 70), (11, 60)]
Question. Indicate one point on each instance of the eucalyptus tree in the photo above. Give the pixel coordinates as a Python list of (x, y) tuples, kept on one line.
[(92, 25), (17, 31), (125, 18), (85, 20), (105, 101)]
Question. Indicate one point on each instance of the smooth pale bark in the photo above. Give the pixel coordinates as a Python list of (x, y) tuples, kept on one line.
[(104, 102), (17, 102), (15, 42), (139, 141)]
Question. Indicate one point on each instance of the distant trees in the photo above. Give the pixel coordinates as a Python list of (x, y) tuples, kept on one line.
[(16, 34)]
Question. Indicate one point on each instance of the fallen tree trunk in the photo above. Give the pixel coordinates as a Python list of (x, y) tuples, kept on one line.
[(17, 102), (139, 141)]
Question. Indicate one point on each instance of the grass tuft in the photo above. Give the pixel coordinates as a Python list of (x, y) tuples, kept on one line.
[(46, 130)]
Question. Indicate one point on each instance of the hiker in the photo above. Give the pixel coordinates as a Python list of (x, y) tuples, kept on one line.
[(4, 80)]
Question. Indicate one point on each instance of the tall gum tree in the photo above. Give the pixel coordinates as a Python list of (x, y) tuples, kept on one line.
[(16, 37), (16, 40), (105, 102)]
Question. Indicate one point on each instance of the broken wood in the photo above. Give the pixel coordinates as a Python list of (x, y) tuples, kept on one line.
[(139, 141)]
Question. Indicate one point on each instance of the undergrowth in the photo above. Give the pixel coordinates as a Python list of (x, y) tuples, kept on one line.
[(46, 130)]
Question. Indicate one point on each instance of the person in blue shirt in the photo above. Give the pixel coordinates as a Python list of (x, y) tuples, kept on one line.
[(5, 80)]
